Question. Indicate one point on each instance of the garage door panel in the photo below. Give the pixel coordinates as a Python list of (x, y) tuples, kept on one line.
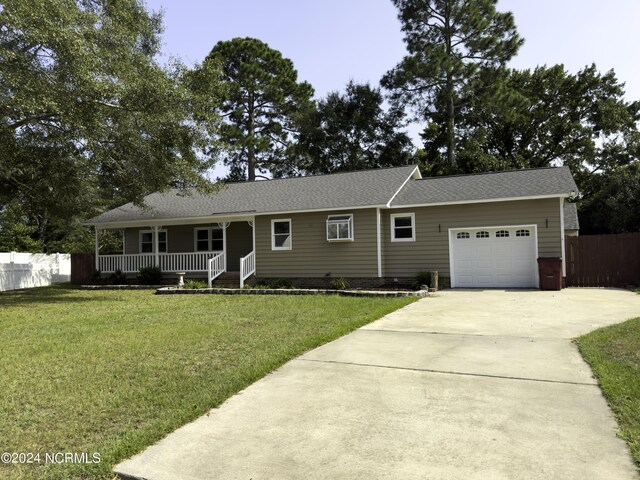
[(522, 263), (466, 280), (503, 263), (494, 261), (483, 279), (483, 263)]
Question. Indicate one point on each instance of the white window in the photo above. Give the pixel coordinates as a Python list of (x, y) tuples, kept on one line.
[(523, 233), (403, 227), (281, 234), (146, 241), (339, 228), (482, 234), (502, 233), (461, 235), (209, 239)]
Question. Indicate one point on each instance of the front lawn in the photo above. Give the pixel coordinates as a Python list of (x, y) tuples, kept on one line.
[(112, 372), (614, 355)]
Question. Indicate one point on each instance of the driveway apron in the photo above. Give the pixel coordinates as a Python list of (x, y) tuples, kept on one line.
[(460, 385)]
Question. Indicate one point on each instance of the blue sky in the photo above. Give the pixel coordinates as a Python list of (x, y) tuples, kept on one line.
[(333, 41)]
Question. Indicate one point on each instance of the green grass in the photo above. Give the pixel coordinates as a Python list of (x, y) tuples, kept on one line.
[(614, 355), (114, 371)]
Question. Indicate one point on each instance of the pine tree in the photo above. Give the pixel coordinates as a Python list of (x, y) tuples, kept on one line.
[(448, 42), (261, 103)]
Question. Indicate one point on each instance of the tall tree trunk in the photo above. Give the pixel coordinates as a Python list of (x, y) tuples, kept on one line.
[(451, 123), (251, 150), (451, 128)]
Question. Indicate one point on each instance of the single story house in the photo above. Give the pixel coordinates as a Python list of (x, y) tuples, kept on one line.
[(369, 227)]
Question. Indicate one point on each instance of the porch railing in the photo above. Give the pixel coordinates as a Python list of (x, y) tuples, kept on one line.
[(168, 262), (247, 267), (216, 267)]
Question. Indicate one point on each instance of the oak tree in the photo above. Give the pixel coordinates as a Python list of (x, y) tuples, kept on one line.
[(88, 119)]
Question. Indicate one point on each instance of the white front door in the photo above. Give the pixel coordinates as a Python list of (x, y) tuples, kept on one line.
[(499, 257)]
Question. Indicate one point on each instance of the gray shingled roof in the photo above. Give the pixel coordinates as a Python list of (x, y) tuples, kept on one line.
[(344, 190), (487, 186), (340, 190), (571, 217)]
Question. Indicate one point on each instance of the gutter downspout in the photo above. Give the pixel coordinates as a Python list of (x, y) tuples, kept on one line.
[(378, 243), (562, 239)]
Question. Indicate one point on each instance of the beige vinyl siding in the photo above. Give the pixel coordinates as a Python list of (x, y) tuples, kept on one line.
[(239, 244), (311, 254), (430, 251), (181, 238)]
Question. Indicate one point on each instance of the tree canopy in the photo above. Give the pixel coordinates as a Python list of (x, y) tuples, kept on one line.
[(262, 103), (88, 119), (551, 117), (352, 131)]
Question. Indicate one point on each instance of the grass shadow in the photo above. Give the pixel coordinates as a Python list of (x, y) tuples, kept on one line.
[(64, 293)]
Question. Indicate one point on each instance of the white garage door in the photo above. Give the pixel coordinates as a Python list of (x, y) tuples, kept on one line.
[(503, 257)]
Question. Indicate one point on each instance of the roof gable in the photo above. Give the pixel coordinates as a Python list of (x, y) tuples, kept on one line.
[(514, 184)]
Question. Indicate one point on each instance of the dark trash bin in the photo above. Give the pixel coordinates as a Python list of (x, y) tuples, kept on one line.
[(550, 273)]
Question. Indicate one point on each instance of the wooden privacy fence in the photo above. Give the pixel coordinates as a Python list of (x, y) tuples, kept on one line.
[(603, 260), (83, 266)]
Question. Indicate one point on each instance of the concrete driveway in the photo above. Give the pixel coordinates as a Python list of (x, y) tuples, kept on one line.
[(460, 385)]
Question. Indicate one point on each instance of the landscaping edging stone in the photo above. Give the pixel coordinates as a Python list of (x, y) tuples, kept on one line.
[(122, 287), (288, 291)]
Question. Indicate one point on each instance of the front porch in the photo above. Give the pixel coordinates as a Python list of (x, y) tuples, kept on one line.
[(201, 250), (190, 262)]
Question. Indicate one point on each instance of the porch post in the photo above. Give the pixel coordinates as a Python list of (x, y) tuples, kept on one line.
[(156, 244), (223, 226), (124, 242), (97, 247), (253, 228), (224, 244)]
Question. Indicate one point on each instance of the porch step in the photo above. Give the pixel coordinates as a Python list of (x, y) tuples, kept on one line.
[(228, 280)]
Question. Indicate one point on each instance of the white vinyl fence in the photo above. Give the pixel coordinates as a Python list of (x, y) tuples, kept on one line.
[(25, 270)]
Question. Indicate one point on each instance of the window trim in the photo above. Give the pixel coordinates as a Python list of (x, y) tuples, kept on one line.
[(209, 239), (350, 227), (166, 236), (273, 234), (392, 225)]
